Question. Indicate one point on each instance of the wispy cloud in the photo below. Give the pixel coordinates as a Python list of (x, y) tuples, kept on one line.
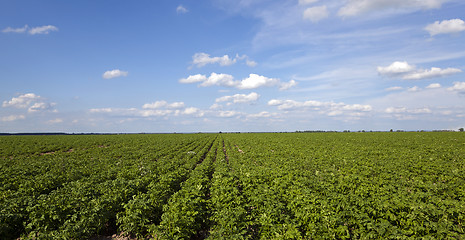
[(12, 118), (315, 14), (357, 7), (32, 31), (181, 9)]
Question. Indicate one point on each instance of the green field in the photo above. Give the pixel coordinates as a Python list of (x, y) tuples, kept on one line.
[(234, 186)]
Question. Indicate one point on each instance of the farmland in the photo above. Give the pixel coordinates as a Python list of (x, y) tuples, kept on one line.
[(234, 186)]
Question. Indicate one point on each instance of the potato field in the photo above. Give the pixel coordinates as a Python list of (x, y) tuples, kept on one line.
[(405, 185)]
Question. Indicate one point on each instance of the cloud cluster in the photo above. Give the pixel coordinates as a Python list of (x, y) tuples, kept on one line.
[(202, 59), (239, 98), (225, 80), (114, 73), (156, 109), (409, 72), (31, 101), (446, 27), (328, 108), (406, 110), (357, 7), (32, 31)]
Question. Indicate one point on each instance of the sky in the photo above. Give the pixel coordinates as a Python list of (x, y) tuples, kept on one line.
[(231, 65)]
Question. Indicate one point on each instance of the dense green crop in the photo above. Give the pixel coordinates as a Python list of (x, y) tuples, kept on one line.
[(234, 186)]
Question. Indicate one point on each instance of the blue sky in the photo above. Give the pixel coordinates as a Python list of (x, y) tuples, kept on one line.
[(224, 65)]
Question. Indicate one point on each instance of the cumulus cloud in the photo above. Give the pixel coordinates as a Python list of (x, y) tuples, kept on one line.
[(22, 101), (33, 102), (226, 80), (239, 98), (357, 7), (41, 106), (458, 86), (410, 72), (433, 85), (396, 68), (11, 118), (228, 114), (328, 108), (202, 59), (181, 9), (315, 14), (446, 27), (114, 73), (32, 31), (163, 104)]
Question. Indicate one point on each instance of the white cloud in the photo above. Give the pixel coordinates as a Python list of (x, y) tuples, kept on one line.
[(12, 118), (202, 59), (15, 30), (394, 110), (226, 80), (328, 108), (194, 79), (458, 86), (33, 102), (42, 30), (23, 101), (256, 81), (114, 73), (396, 88), (445, 27), (221, 79), (263, 114), (163, 104), (41, 106), (55, 121), (228, 114), (239, 98), (409, 72), (306, 2), (250, 63), (396, 68), (315, 14), (434, 72), (181, 9), (413, 89), (433, 85), (287, 85), (32, 31), (357, 7)]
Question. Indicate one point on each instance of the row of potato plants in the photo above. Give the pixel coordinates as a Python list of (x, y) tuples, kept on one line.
[(352, 185), (75, 194)]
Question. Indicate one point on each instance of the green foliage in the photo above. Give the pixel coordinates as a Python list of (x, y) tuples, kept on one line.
[(234, 186)]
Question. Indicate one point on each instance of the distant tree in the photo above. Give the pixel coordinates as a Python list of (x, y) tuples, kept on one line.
[(391, 130), (461, 129)]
